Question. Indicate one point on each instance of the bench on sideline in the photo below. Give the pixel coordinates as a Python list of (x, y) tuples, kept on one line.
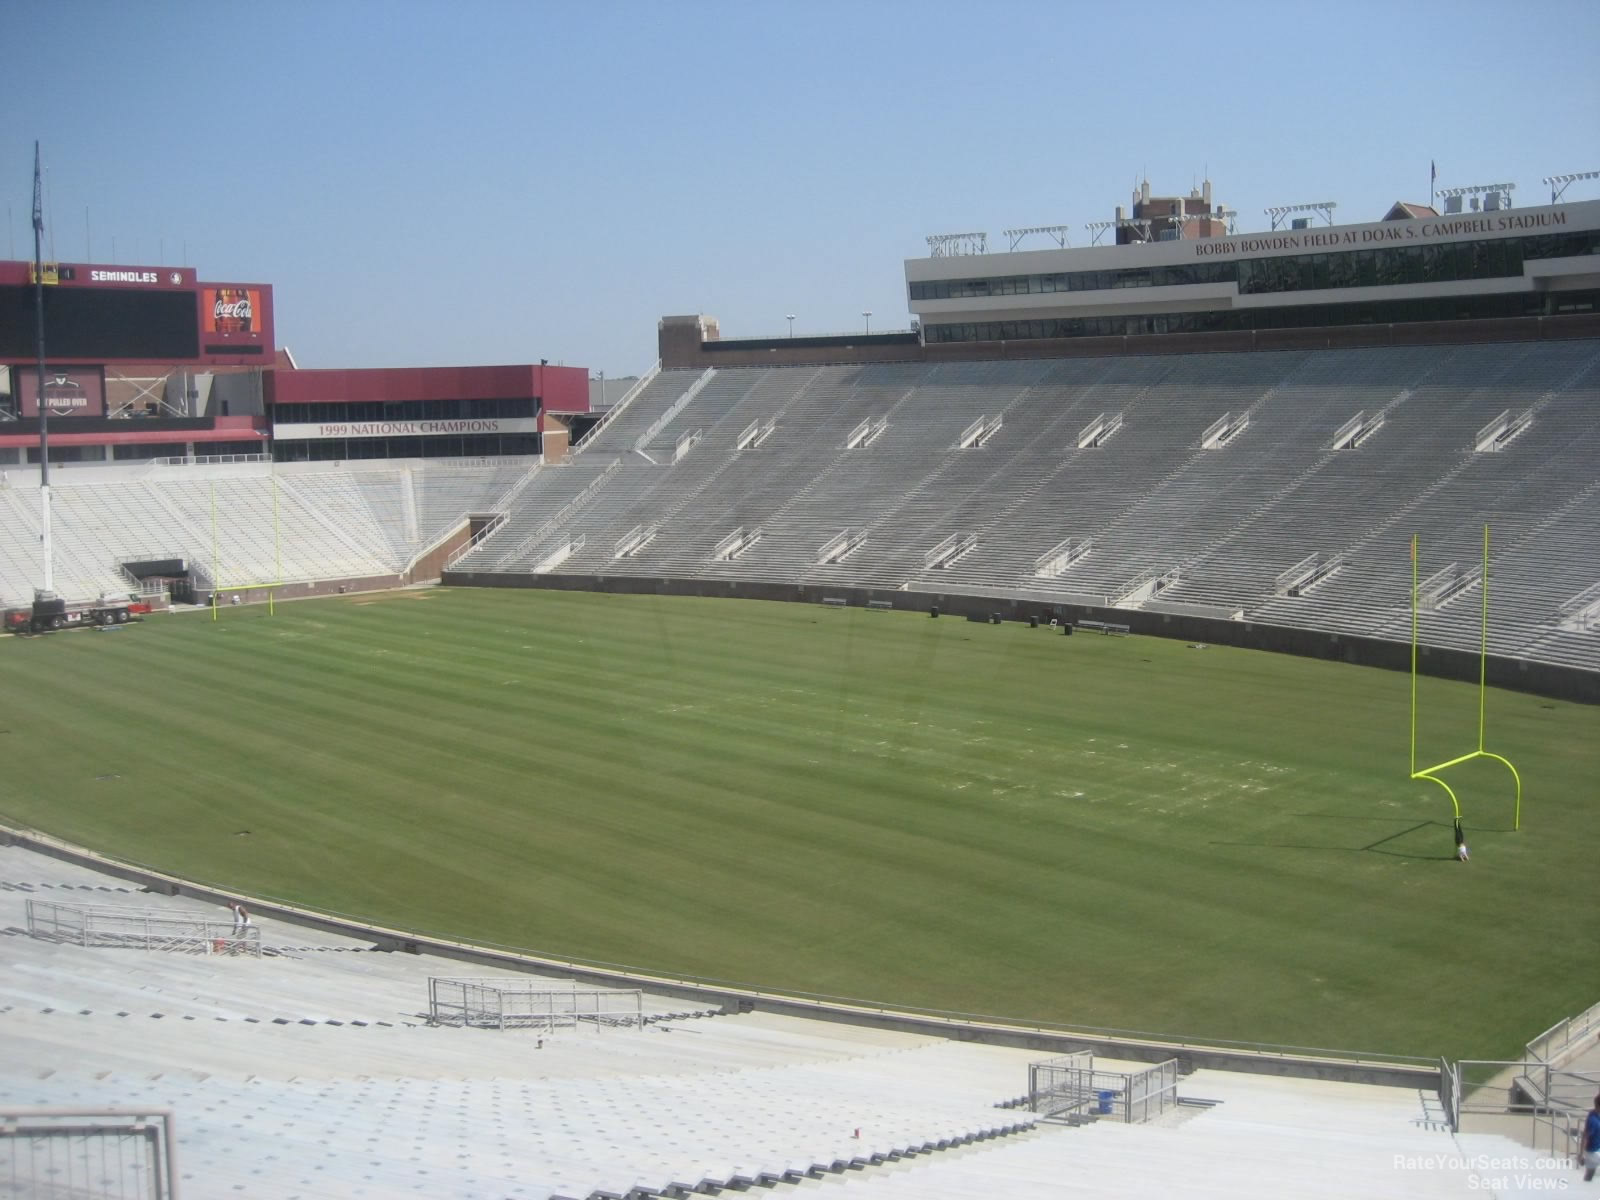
[(1111, 628)]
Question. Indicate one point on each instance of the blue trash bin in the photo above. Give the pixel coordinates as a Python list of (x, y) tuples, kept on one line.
[(1104, 1107)]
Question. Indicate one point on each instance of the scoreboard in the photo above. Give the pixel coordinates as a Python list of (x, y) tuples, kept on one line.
[(115, 314)]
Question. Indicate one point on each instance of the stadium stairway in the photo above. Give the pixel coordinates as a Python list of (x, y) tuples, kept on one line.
[(1259, 1139)]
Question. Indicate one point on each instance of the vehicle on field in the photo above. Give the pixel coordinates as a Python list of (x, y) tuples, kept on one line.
[(51, 613)]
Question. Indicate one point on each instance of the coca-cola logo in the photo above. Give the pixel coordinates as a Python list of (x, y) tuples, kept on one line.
[(238, 310)]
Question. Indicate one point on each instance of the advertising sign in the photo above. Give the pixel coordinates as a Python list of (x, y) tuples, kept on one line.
[(68, 391), (384, 429), (231, 311)]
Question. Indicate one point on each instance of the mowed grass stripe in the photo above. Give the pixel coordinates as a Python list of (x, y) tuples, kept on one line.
[(1111, 832)]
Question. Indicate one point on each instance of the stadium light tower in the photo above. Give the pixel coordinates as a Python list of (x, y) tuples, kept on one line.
[(1495, 196), (1323, 209), (791, 324), (867, 313), (1558, 183), (943, 245), (1056, 233), (1098, 228)]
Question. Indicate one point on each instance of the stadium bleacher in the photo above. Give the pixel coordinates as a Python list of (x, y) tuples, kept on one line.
[(1220, 524), (1216, 527), (241, 525), (312, 1072)]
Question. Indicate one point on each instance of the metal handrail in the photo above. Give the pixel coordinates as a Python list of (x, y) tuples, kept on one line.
[(1569, 1030), (673, 409), (561, 514), (472, 543), (1450, 1093), (623, 401), (36, 1125), (209, 460)]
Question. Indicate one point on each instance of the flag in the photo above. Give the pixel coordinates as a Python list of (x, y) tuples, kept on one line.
[(1434, 177)]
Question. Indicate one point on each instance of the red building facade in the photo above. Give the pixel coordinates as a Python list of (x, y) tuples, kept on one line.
[(418, 412), (152, 362), (141, 363)]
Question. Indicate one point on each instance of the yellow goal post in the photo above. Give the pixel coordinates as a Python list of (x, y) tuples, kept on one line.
[(270, 587), (1430, 773)]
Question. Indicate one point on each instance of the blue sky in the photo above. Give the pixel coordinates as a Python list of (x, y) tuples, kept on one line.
[(499, 182)]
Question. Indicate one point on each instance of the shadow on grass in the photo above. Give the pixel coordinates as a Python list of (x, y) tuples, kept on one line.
[(1470, 825), (1377, 847)]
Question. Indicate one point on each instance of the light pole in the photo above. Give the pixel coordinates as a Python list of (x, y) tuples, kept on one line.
[(791, 324), (867, 313), (538, 407)]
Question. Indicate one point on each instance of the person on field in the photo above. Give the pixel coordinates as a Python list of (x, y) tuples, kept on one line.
[(1589, 1145), (1461, 844)]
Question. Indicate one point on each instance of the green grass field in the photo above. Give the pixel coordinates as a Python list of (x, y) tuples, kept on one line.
[(1109, 832)]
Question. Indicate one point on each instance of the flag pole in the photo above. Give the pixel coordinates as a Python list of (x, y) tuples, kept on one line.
[(47, 591)]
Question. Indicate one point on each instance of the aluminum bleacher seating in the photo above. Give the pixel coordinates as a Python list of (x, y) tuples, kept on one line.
[(1215, 526), (242, 525), (1169, 523), (313, 1072)]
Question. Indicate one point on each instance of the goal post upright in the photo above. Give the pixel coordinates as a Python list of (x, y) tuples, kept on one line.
[(1483, 666), (277, 566), (1413, 656), (271, 588), (216, 562), (1483, 688)]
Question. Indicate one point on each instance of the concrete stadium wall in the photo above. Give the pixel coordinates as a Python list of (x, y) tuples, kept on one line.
[(1564, 683), (429, 565), (1390, 1071), (315, 587)]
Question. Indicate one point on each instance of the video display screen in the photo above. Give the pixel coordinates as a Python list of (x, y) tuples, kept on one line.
[(102, 323)]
